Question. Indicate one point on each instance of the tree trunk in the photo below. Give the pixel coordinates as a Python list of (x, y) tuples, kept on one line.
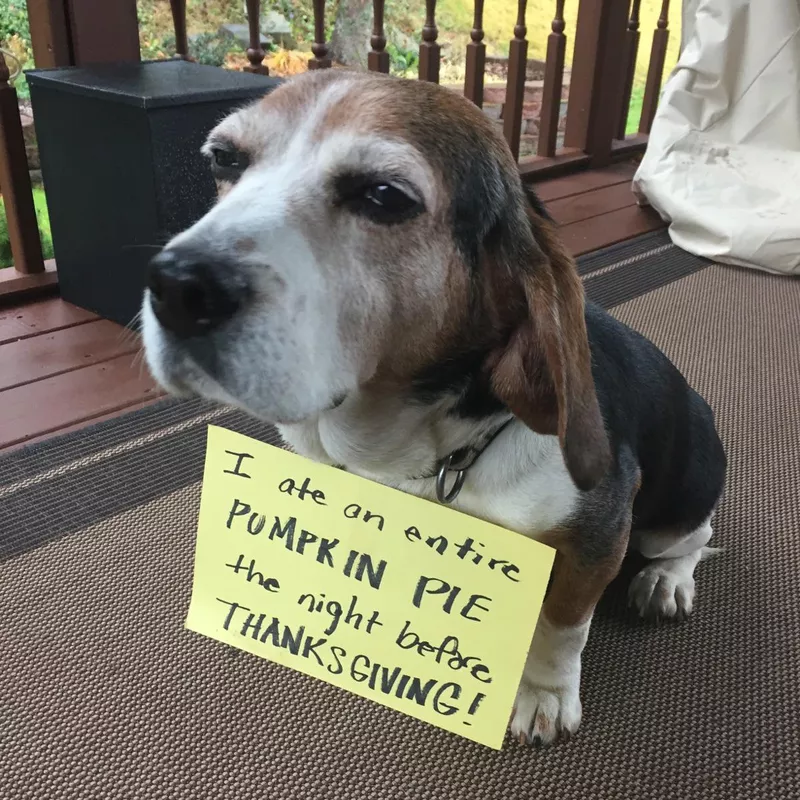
[(352, 29)]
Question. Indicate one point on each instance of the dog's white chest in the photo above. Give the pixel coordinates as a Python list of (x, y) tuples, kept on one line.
[(531, 501)]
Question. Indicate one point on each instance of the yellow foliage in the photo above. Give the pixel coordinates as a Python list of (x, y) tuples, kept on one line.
[(16, 46), (283, 63), (236, 61)]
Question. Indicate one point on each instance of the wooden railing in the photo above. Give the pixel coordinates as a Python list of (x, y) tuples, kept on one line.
[(600, 84), (15, 186)]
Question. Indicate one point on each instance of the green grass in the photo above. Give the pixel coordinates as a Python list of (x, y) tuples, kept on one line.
[(634, 110), (40, 202)]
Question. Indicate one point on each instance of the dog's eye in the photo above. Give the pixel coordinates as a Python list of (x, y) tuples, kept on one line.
[(226, 158), (381, 202), (390, 199), (227, 162), (378, 198)]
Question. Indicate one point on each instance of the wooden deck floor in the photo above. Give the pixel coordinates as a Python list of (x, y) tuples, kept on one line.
[(62, 368)]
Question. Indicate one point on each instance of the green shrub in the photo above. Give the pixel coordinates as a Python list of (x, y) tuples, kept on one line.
[(211, 48), (208, 48), (14, 20), (14, 30), (40, 202), (300, 15), (402, 60)]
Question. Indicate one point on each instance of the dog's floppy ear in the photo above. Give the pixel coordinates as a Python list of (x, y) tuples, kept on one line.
[(543, 373)]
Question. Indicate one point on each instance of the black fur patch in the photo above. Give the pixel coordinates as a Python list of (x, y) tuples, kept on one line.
[(462, 377), (652, 413)]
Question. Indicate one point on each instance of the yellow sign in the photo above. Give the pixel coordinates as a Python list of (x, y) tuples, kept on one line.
[(397, 599)]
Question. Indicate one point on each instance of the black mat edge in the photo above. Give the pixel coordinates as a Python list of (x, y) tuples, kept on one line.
[(637, 278), (631, 248)]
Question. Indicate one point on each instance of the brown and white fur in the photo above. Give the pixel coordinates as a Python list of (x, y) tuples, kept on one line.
[(382, 341)]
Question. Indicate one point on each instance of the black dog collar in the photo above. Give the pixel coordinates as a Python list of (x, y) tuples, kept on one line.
[(458, 462)]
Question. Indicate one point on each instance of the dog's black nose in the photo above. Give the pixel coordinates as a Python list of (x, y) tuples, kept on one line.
[(192, 295)]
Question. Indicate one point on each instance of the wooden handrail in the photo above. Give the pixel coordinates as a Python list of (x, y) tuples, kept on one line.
[(655, 71), (255, 52), (430, 50), (476, 59), (553, 84), (321, 58), (178, 8), (629, 54), (378, 58), (515, 88), (23, 228)]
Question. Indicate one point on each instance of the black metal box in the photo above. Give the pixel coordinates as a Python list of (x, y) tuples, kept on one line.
[(120, 155)]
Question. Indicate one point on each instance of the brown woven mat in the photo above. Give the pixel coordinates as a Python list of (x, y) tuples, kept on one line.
[(103, 694)]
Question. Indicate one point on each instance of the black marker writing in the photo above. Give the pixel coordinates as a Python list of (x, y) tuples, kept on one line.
[(463, 551), (270, 584), (442, 697), (365, 565), (255, 522), (436, 586), (354, 511), (474, 705), (289, 487), (237, 470), (336, 612), (447, 650)]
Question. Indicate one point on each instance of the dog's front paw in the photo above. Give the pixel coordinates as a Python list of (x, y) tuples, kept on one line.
[(543, 714), (665, 587)]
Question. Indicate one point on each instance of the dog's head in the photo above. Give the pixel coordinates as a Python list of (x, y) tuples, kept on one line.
[(368, 231)]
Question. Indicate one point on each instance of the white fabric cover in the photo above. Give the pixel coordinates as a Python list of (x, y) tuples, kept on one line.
[(723, 161)]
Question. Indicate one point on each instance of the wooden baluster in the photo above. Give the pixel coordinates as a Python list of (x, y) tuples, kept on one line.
[(255, 53), (553, 84), (429, 50), (101, 31), (655, 72), (378, 59), (23, 229), (321, 59), (179, 24), (476, 59), (50, 37), (515, 88), (597, 77), (629, 56)]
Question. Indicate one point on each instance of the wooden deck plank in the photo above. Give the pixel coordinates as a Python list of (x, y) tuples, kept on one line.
[(43, 316), (607, 229), (36, 357), (83, 424), (591, 204), (54, 403), (586, 181)]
